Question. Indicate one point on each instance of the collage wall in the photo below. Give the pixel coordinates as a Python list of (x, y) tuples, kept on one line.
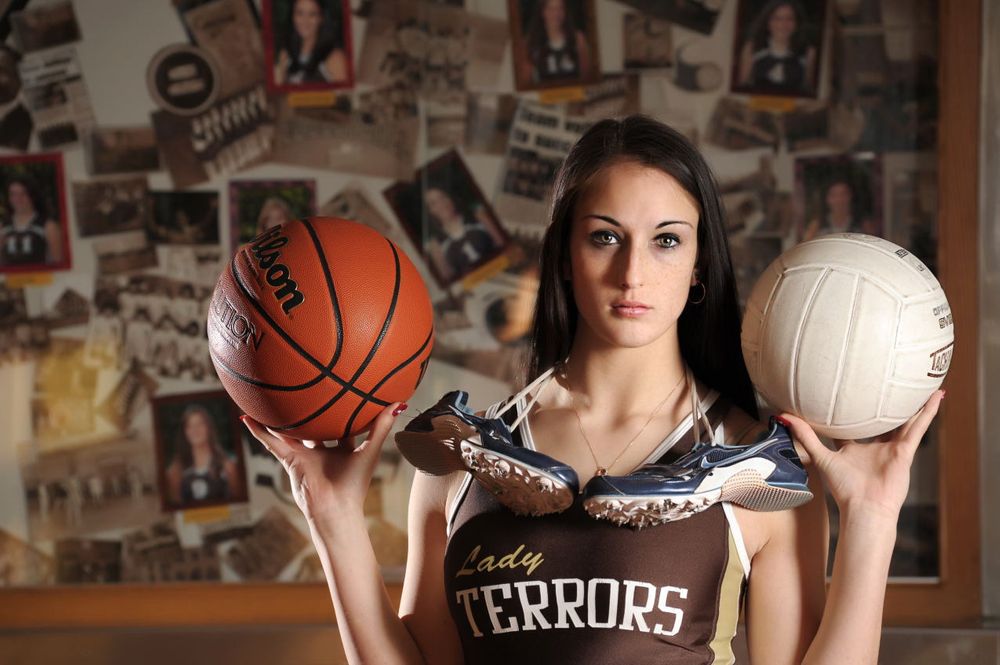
[(141, 143)]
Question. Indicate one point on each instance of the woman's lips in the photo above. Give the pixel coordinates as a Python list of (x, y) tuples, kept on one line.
[(629, 308)]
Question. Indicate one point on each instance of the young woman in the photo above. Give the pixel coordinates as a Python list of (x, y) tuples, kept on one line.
[(636, 295), (313, 51), (200, 470), (459, 241), (777, 58), (30, 236), (555, 49)]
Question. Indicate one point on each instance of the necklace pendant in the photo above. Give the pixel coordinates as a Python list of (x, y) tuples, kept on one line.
[(601, 471)]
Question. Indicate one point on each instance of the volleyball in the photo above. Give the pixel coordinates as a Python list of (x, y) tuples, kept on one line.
[(850, 332), (316, 325)]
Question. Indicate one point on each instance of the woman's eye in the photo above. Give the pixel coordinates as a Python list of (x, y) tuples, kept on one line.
[(603, 237), (666, 240)]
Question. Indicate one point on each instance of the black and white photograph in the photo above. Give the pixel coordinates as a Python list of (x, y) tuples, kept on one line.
[(22, 564), (44, 26), (124, 252), (107, 483), (697, 15), (226, 136), (735, 125), (155, 554), (227, 31), (62, 404), (488, 119), (110, 150), (34, 234), (198, 451), (258, 205), (184, 218), (777, 49), (540, 139), (387, 149), (647, 42), (910, 192), (448, 217), (272, 544), (431, 47), (111, 205), (839, 194), (554, 43), (308, 44), (57, 96), (88, 561)]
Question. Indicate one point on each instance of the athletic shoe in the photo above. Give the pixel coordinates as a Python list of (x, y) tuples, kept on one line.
[(765, 475), (448, 437)]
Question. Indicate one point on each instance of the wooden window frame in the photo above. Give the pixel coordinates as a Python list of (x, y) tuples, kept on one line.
[(956, 599)]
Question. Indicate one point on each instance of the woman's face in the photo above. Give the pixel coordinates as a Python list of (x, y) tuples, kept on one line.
[(196, 430), (782, 25), (633, 248), (838, 198), (271, 215), (19, 199), (442, 208), (554, 13), (307, 16)]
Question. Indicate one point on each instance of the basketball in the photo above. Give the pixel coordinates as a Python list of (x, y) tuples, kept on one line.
[(850, 332), (318, 324)]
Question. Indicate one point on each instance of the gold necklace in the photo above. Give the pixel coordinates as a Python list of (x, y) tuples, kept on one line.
[(603, 470)]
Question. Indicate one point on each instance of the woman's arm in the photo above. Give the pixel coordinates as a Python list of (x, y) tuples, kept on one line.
[(811, 68), (336, 66), (281, 68), (329, 486), (869, 482)]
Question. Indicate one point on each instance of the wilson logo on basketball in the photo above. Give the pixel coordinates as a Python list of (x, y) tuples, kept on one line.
[(940, 361), (239, 327), (265, 251)]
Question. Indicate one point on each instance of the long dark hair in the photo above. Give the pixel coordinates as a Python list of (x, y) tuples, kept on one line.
[(760, 32), (33, 191), (709, 332), (328, 38), (183, 455), (537, 38)]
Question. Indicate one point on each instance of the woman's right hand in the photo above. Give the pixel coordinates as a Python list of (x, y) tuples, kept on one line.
[(324, 480)]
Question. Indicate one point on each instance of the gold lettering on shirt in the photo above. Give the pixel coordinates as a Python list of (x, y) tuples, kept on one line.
[(511, 560)]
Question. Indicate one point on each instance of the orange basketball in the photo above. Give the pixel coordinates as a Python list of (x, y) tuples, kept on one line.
[(316, 325)]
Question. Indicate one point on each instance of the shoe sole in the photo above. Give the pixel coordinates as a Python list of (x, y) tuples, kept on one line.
[(524, 489), (746, 488)]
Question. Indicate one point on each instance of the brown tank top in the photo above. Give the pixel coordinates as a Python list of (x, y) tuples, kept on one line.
[(567, 588)]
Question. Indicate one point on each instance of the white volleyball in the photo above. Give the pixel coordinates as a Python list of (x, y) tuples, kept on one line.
[(850, 332)]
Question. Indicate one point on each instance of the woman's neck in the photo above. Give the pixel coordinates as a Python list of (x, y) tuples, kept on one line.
[(202, 456), (23, 218), (623, 381), (308, 44)]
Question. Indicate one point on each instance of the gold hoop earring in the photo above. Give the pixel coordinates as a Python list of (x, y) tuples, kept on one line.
[(704, 292)]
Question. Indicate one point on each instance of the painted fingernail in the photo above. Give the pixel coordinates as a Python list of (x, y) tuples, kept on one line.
[(943, 393), (399, 409), (783, 421)]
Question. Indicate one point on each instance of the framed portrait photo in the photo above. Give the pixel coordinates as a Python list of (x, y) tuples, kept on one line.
[(777, 49), (839, 194), (199, 453), (34, 235), (307, 44), (257, 205), (554, 43), (448, 219)]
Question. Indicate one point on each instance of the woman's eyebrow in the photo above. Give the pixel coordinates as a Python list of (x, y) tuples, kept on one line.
[(615, 222)]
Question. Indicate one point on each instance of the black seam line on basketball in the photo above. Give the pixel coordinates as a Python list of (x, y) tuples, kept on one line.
[(371, 354), (333, 293), (416, 354), (292, 343), (260, 384)]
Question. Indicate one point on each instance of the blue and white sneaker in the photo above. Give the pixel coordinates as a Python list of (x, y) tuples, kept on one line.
[(449, 437), (764, 475)]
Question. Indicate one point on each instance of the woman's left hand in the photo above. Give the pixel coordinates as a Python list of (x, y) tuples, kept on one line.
[(874, 475)]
